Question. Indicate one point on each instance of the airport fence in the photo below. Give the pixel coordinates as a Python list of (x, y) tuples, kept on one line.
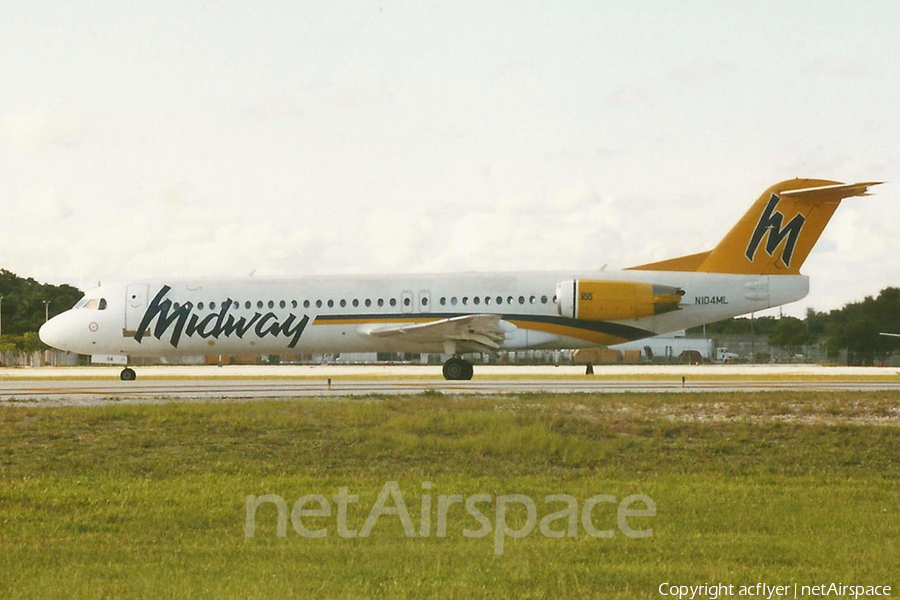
[(40, 358)]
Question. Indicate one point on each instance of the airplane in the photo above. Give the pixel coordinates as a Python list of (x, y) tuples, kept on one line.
[(754, 267)]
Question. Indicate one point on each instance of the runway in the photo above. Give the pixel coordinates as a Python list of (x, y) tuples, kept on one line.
[(63, 391)]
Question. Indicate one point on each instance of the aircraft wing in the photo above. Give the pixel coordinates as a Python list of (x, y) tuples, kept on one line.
[(475, 333), (890, 334)]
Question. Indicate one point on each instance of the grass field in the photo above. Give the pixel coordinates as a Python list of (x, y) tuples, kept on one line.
[(150, 500)]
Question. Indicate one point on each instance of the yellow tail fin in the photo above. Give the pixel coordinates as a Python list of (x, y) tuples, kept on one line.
[(776, 235)]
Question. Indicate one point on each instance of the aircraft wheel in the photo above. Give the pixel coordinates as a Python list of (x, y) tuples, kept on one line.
[(470, 370), (127, 374), (455, 369)]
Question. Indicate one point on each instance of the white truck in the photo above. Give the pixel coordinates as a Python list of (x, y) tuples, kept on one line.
[(724, 356)]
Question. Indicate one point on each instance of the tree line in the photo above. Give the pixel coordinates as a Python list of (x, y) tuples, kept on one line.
[(856, 328), (24, 306)]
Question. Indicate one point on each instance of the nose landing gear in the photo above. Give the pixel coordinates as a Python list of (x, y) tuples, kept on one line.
[(457, 369), (128, 374)]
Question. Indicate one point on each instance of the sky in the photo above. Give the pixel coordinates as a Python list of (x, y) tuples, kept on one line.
[(173, 138)]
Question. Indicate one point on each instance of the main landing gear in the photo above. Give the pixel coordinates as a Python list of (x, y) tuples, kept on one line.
[(128, 374), (457, 369)]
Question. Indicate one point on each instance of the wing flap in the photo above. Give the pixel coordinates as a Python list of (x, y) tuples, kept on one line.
[(483, 331)]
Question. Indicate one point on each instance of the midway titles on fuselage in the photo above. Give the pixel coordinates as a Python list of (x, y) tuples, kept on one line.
[(165, 318)]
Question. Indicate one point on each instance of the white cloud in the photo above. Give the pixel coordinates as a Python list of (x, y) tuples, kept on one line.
[(629, 96), (703, 71), (346, 140), (275, 110), (835, 67), (39, 127), (42, 203)]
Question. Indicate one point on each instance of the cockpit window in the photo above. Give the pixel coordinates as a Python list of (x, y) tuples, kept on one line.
[(93, 304), (80, 303)]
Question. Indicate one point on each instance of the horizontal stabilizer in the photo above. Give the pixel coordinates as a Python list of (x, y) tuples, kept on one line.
[(832, 192)]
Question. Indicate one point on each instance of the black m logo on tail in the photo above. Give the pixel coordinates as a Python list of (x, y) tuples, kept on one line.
[(770, 222)]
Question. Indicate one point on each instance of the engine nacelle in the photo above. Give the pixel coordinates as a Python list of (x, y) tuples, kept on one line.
[(594, 300)]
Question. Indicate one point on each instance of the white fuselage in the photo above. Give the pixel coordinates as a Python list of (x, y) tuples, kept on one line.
[(336, 314)]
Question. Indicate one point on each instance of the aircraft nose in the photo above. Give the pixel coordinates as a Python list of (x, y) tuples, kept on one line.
[(51, 333)]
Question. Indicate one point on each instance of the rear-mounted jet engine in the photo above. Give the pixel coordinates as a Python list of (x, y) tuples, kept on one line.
[(594, 300)]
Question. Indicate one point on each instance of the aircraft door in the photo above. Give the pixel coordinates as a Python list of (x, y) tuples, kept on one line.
[(424, 301), (135, 305), (406, 302)]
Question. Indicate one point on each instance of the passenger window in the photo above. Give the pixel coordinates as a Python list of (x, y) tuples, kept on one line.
[(521, 299), (424, 301), (293, 304), (343, 303), (487, 299), (282, 304), (271, 304), (318, 304), (543, 299), (476, 300), (406, 302), (443, 301), (510, 300), (355, 303), (199, 306), (306, 304), (212, 306), (393, 302), (247, 305), (331, 304), (531, 300), (499, 299), (259, 304), (380, 302), (465, 300), (368, 302), (453, 301)]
